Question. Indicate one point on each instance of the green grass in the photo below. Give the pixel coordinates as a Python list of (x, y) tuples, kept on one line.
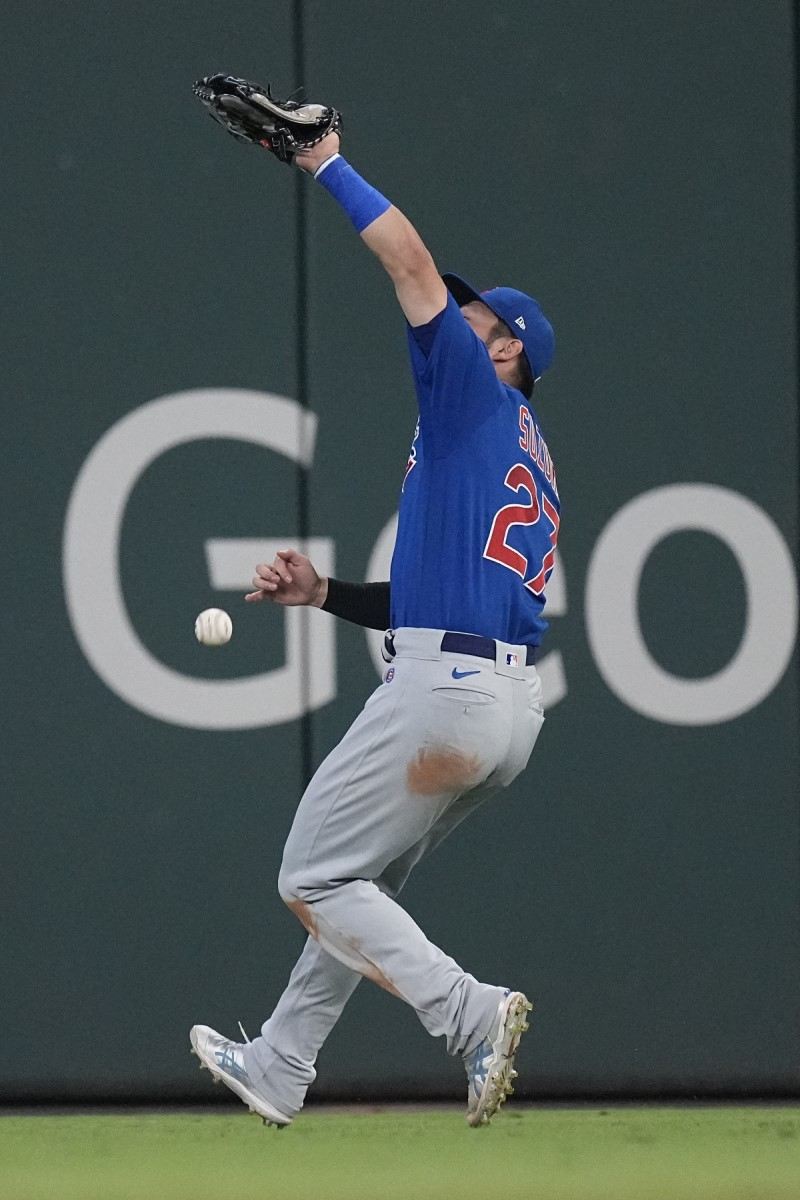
[(649, 1153)]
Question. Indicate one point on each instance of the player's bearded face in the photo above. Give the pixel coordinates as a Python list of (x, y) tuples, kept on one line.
[(485, 323), (480, 319)]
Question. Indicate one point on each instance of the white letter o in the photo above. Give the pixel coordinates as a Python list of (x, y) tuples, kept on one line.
[(612, 618)]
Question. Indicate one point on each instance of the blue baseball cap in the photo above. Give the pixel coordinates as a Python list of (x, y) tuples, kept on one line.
[(521, 314)]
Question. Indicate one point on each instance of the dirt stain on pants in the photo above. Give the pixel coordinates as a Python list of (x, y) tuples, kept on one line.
[(438, 769), (308, 918)]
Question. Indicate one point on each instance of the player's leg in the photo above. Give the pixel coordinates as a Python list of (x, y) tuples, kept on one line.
[(281, 1060)]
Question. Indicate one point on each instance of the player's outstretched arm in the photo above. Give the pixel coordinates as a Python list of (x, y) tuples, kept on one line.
[(386, 231), (291, 579)]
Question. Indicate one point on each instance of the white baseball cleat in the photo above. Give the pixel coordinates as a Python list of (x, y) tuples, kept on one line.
[(225, 1060), (490, 1066)]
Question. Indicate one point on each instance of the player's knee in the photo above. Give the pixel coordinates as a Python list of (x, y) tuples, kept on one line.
[(292, 891), (293, 883), (287, 885)]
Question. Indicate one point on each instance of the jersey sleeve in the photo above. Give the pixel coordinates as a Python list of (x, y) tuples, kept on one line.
[(424, 335), (457, 387)]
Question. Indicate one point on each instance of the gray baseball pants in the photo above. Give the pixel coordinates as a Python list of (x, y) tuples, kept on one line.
[(441, 734)]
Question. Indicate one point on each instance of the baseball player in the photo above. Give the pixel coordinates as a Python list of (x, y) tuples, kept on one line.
[(460, 706)]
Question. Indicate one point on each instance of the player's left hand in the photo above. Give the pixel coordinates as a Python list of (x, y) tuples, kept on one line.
[(250, 113), (309, 160)]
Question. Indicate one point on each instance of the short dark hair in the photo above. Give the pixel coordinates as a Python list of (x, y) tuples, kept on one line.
[(523, 375)]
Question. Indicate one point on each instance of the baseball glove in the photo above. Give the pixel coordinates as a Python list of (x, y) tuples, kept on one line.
[(251, 114)]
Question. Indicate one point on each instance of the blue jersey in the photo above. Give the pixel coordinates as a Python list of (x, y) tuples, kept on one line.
[(479, 511)]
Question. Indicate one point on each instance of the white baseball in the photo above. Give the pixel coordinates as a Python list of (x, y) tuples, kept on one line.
[(213, 627)]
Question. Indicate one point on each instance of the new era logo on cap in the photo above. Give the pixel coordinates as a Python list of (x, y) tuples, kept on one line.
[(521, 322)]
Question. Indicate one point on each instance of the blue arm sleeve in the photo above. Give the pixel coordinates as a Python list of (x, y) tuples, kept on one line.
[(360, 200)]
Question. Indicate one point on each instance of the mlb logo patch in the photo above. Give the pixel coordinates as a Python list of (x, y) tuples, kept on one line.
[(512, 660), (389, 676)]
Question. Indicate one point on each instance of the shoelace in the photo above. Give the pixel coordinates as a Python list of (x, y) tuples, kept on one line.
[(244, 1034)]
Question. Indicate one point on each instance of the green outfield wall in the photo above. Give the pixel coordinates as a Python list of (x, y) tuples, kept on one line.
[(201, 362)]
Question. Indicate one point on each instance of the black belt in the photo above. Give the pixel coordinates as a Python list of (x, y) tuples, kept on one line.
[(472, 643)]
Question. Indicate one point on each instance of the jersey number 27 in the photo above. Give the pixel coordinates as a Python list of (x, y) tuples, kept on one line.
[(518, 479)]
